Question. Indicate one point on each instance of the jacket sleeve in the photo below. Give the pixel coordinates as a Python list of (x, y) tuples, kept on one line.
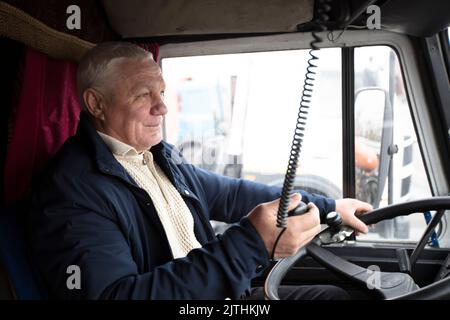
[(67, 232), (229, 198)]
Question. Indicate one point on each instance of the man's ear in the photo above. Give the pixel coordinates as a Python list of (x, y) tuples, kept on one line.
[(94, 102)]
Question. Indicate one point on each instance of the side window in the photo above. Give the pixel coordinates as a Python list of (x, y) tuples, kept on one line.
[(235, 114), (389, 167)]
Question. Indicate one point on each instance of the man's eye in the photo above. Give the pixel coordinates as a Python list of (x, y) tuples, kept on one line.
[(143, 95), (162, 94)]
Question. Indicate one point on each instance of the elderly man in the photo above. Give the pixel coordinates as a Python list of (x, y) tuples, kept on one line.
[(116, 207)]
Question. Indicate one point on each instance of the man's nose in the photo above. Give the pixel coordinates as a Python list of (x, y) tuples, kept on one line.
[(159, 109)]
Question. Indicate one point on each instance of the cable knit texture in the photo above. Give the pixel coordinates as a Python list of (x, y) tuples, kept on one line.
[(173, 212)]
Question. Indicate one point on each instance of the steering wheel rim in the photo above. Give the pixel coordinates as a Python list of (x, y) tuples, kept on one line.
[(323, 255)]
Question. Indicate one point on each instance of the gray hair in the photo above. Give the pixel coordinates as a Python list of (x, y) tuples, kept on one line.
[(97, 67)]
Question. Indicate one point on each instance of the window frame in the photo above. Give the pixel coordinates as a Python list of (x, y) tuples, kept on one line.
[(348, 122), (445, 43)]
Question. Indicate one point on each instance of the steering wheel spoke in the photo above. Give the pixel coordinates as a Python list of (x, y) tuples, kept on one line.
[(385, 284)]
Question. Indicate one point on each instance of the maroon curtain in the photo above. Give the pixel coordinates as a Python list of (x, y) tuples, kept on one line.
[(151, 47), (47, 114)]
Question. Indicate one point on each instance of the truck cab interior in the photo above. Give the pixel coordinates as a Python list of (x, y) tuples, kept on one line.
[(378, 128)]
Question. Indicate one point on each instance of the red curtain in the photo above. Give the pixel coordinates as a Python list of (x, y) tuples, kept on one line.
[(46, 115), (152, 47)]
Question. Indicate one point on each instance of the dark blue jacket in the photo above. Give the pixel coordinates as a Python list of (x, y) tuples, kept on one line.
[(89, 212)]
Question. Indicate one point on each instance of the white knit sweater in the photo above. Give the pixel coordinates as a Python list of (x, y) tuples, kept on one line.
[(173, 212)]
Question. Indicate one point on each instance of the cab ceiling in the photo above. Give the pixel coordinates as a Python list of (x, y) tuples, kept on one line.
[(140, 18)]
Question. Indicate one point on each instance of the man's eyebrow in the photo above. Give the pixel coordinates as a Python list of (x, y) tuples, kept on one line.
[(152, 86)]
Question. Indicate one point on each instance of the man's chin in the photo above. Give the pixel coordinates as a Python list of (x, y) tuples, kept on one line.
[(154, 141)]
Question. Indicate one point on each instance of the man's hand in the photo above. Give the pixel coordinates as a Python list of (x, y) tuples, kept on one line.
[(301, 229), (350, 209)]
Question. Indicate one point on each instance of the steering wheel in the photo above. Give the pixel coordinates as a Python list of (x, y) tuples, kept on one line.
[(389, 285)]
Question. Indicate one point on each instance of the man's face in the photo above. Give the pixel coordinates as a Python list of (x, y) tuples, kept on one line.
[(134, 112)]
